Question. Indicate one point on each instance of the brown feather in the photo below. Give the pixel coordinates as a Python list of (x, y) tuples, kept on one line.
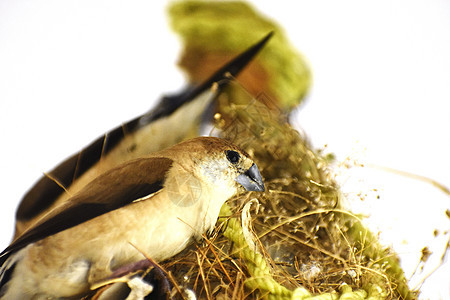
[(116, 188)]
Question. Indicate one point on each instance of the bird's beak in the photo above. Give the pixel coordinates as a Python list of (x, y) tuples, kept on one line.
[(252, 180)]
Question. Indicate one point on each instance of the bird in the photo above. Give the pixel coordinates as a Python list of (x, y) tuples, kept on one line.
[(165, 125), (157, 203)]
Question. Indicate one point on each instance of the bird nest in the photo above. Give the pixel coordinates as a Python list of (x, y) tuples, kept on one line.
[(295, 241)]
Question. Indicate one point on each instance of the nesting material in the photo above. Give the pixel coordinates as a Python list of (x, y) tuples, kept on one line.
[(304, 245)]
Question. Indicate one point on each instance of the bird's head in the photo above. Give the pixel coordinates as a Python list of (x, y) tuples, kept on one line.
[(222, 164)]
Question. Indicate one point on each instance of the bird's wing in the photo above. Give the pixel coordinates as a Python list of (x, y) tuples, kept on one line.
[(108, 192), (47, 190)]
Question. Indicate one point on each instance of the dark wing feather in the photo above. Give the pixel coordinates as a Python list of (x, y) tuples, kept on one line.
[(111, 190), (43, 194)]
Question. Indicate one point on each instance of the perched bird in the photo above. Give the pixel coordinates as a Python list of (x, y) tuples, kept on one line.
[(167, 124), (158, 204)]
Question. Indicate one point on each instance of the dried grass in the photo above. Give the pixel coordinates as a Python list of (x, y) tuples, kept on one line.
[(303, 244)]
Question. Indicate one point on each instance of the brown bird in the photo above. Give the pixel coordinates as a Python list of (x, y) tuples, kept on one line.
[(158, 204), (168, 123)]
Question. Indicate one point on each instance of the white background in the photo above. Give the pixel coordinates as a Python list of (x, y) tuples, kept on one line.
[(70, 70)]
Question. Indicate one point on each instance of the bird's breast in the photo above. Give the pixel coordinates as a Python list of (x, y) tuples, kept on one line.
[(85, 254)]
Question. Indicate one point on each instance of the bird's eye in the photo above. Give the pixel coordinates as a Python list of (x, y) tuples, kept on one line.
[(233, 156)]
